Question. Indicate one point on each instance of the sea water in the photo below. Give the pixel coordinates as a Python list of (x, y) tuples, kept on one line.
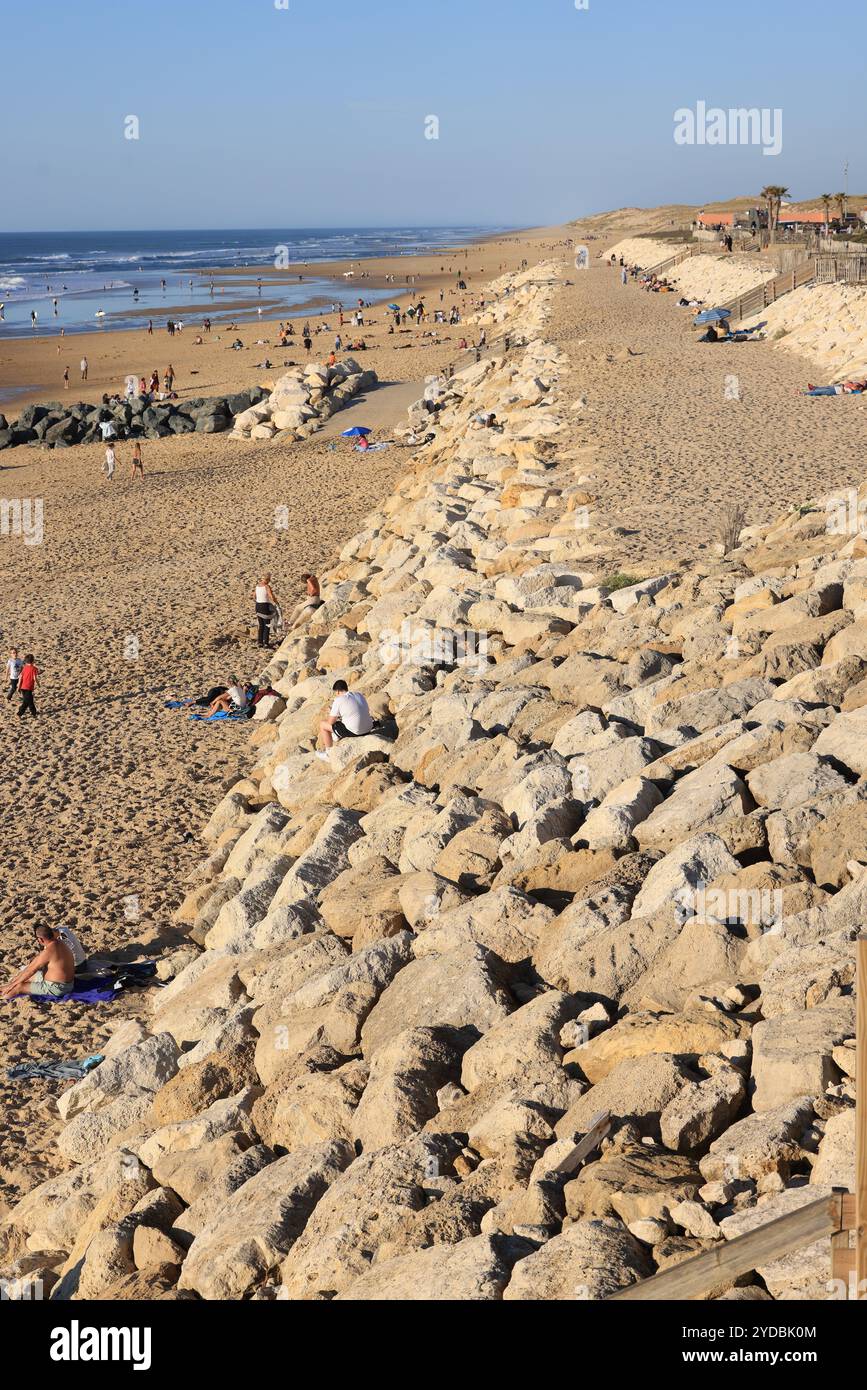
[(86, 281)]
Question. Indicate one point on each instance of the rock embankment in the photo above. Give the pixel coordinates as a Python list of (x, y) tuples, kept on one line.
[(56, 425), (825, 323), (604, 851), (299, 403), (302, 400)]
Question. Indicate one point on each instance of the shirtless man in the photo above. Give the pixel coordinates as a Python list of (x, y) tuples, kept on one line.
[(51, 973), (310, 603)]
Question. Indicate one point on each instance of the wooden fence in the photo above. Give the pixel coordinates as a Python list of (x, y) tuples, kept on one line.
[(850, 269), (837, 1216), (758, 298)]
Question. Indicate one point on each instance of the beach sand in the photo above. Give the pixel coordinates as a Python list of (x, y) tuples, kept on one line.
[(103, 798), (31, 369)]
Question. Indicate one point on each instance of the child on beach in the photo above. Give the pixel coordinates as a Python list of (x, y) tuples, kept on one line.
[(13, 671), (27, 686), (108, 466)]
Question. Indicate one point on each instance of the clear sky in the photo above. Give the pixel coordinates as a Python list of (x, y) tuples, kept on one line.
[(252, 115)]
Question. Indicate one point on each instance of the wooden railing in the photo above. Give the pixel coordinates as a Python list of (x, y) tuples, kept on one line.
[(835, 1216), (758, 298), (720, 1267)]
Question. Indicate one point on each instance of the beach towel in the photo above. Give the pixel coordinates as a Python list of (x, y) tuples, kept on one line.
[(100, 990), (220, 717), (178, 704), (371, 448), (61, 1071)]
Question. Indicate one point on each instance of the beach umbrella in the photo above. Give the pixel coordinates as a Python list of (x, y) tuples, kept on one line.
[(712, 316), (355, 431)]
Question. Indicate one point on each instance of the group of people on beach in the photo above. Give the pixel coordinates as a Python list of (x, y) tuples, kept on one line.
[(22, 675), (269, 617), (110, 461), (349, 715)]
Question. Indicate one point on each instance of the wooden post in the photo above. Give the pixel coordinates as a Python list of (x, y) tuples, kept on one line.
[(861, 1119)]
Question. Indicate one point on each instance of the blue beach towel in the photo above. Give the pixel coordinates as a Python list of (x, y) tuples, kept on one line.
[(220, 717), (99, 990), (62, 1071)]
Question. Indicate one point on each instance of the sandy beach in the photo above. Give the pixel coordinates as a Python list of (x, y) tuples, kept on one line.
[(104, 796), (31, 369)]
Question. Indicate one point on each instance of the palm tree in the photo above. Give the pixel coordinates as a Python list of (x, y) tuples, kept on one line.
[(840, 200), (773, 194), (826, 204)]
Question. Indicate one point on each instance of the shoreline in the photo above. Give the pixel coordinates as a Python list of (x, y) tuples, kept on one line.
[(31, 367)]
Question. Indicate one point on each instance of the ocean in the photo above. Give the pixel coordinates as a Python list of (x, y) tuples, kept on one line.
[(81, 281)]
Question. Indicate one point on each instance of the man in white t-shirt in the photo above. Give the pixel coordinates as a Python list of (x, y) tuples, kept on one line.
[(108, 466), (349, 717)]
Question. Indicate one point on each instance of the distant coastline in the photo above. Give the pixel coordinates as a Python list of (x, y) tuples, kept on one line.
[(111, 281)]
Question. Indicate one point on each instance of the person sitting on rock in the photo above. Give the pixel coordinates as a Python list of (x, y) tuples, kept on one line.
[(349, 717), (50, 974), (309, 604)]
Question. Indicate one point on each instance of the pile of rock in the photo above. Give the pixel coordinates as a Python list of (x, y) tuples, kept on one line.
[(302, 400), (827, 323), (57, 425), (519, 301), (603, 852)]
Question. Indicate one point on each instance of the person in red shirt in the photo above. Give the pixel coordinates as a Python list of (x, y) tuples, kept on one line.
[(27, 685)]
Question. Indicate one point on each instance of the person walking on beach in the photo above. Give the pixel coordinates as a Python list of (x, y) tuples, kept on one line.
[(27, 686), (151, 327), (137, 461), (65, 374), (266, 605), (13, 672), (108, 466), (169, 378), (33, 318), (83, 366), (623, 276)]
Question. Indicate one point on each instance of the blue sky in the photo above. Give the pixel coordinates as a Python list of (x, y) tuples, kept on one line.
[(314, 115)]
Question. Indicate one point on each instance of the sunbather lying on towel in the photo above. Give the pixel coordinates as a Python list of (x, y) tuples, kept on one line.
[(844, 388), (51, 972)]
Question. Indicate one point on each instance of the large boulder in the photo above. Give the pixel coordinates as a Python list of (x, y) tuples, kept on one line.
[(588, 1260), (255, 1228)]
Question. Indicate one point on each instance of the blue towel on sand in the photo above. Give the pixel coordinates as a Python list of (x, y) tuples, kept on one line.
[(221, 716), (99, 990), (62, 1071)]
